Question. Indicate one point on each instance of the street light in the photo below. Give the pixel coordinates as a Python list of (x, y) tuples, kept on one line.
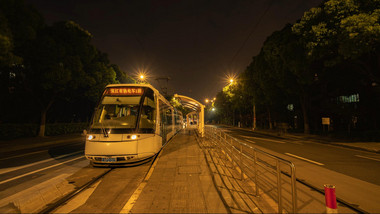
[(207, 100), (141, 73), (141, 77), (230, 79)]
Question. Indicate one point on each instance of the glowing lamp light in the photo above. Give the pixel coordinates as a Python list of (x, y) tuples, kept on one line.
[(134, 137), (141, 77), (231, 81), (207, 100), (90, 137), (213, 109)]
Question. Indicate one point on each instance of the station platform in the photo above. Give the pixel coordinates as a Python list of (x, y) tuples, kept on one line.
[(187, 179)]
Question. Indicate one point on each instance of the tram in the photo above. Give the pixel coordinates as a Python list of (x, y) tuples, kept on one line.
[(131, 123)]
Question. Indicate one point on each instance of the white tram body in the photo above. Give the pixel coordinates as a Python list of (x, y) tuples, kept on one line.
[(131, 123)]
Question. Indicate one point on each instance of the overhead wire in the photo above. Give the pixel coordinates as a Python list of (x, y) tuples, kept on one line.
[(251, 32)]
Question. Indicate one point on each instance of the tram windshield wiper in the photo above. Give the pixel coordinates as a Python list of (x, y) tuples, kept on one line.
[(105, 133)]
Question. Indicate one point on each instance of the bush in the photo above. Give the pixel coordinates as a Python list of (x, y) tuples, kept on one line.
[(64, 128), (13, 131)]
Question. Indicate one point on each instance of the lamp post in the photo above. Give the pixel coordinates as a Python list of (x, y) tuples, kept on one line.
[(254, 116)]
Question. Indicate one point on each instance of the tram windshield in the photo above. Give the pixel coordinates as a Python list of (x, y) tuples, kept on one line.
[(124, 113)]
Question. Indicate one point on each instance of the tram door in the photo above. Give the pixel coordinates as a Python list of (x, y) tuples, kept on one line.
[(163, 123)]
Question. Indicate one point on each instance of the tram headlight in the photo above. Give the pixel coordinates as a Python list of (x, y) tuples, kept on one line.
[(134, 137), (90, 137)]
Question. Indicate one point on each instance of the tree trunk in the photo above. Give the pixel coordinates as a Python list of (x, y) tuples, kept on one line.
[(42, 123), (233, 118), (44, 111), (305, 115), (269, 119), (240, 119), (254, 117)]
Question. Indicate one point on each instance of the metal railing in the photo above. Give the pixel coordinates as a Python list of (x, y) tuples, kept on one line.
[(264, 169)]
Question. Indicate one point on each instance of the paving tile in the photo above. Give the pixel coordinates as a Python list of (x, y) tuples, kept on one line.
[(181, 182)]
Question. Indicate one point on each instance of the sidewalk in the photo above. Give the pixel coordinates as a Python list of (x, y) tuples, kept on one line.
[(186, 180), (359, 145), (193, 176), (181, 181)]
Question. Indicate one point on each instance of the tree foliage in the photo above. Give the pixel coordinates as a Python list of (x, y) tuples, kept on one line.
[(305, 70), (52, 69)]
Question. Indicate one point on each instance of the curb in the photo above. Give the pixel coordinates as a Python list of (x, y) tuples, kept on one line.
[(34, 198), (313, 140)]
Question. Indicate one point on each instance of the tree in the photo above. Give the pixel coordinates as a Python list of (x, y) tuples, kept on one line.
[(47, 66), (340, 30), (340, 33), (223, 108), (279, 74), (7, 58), (61, 63), (19, 25)]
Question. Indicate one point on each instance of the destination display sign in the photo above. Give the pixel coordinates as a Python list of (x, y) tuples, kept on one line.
[(124, 91)]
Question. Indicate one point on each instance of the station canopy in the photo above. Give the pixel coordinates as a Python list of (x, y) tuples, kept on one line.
[(196, 107), (189, 103)]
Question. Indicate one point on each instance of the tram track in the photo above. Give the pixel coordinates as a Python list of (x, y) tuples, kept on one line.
[(50, 208), (64, 200)]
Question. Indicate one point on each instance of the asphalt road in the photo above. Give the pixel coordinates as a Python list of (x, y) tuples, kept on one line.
[(358, 164), (26, 164), (354, 173), (32, 178)]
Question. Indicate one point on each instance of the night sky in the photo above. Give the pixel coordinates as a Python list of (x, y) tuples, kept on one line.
[(195, 43)]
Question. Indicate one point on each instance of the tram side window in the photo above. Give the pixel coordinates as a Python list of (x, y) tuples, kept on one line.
[(148, 115), (169, 117), (165, 114), (163, 107)]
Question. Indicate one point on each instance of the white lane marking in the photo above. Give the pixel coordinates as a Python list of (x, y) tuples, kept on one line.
[(251, 141), (77, 200), (136, 194), (259, 138), (39, 170), (30, 153), (276, 141), (295, 142), (6, 170), (305, 159), (375, 159), (243, 136)]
